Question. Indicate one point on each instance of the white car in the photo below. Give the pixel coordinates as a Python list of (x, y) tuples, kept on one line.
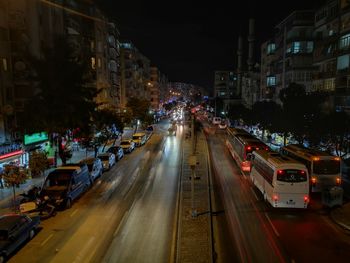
[(108, 160), (216, 120)]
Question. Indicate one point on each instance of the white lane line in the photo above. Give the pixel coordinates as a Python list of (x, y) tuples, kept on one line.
[(256, 197), (80, 257), (273, 227), (121, 223), (74, 212), (47, 239)]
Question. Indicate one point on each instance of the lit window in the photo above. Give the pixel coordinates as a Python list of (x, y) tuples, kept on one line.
[(4, 64), (296, 47), (271, 48), (99, 63), (93, 63), (271, 81), (344, 41)]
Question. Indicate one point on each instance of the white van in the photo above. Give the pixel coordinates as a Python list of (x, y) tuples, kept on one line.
[(216, 120)]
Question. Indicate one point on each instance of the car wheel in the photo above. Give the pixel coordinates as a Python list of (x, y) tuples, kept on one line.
[(31, 234), (68, 203)]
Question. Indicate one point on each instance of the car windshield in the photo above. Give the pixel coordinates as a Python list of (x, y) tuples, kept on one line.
[(104, 157), (58, 179)]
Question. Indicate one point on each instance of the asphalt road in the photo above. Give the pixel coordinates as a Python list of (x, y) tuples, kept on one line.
[(127, 216), (264, 234)]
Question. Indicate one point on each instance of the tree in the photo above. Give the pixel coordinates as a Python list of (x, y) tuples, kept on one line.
[(14, 176), (62, 99), (266, 115), (110, 125), (140, 110), (294, 101), (38, 163), (239, 113), (338, 126)]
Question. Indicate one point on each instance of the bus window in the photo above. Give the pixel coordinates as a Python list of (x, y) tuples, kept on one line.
[(326, 167), (291, 176)]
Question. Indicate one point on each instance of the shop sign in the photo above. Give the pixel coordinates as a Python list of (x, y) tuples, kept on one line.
[(35, 138)]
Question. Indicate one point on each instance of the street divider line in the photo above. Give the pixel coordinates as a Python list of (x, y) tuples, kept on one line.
[(46, 240), (74, 212), (273, 227)]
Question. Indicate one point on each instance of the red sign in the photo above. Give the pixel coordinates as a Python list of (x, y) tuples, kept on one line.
[(7, 155)]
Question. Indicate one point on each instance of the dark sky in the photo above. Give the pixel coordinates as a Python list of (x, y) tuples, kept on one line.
[(189, 40)]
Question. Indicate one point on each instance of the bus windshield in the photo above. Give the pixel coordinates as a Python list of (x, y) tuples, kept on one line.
[(291, 175), (326, 167)]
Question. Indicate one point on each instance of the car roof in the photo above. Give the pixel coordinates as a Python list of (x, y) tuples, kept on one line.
[(88, 160), (104, 154), (8, 221)]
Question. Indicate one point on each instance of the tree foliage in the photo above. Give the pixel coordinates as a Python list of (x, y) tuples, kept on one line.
[(13, 176), (38, 163), (62, 99), (139, 108)]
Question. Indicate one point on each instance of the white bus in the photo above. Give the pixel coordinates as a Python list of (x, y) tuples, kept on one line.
[(324, 169), (283, 181)]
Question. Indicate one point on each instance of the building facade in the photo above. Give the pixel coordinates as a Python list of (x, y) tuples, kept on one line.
[(288, 56), (135, 73), (332, 53)]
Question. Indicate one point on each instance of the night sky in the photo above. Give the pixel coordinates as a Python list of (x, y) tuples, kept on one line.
[(189, 40)]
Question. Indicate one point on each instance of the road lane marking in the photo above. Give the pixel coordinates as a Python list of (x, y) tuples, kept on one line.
[(273, 227), (121, 223), (74, 212), (80, 257), (257, 198), (47, 239)]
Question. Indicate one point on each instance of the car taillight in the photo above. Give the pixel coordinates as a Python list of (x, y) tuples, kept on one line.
[(306, 199), (280, 172), (275, 198)]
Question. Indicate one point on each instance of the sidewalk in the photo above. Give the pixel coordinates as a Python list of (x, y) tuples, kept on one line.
[(6, 194)]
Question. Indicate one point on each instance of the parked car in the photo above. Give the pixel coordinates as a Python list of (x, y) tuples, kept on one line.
[(16, 229), (128, 145), (216, 120), (65, 184), (117, 151), (95, 167), (139, 138), (108, 160)]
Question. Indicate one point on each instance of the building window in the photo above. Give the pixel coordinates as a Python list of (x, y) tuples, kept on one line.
[(296, 47), (99, 64), (271, 81), (93, 63), (271, 48), (4, 64), (343, 62), (309, 47), (344, 41)]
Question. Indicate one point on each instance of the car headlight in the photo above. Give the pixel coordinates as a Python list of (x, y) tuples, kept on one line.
[(58, 201)]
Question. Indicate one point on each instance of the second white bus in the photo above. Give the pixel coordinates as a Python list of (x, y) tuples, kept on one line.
[(323, 168), (283, 181)]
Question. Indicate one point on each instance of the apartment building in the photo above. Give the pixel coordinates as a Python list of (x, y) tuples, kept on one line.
[(332, 53), (288, 56)]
